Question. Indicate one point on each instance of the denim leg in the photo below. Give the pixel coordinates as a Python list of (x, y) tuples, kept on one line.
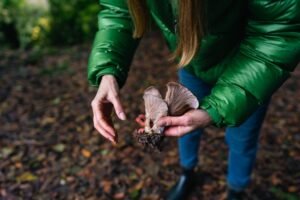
[(243, 144), (189, 143)]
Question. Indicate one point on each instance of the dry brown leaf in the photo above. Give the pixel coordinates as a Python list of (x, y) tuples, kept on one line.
[(86, 153), (293, 189), (106, 186), (26, 176)]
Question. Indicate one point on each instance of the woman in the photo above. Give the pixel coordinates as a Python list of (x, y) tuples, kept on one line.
[(232, 55)]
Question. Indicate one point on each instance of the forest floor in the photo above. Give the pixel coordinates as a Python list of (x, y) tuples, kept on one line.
[(50, 150)]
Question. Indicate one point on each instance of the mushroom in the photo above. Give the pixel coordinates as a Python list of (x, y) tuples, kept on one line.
[(180, 99), (155, 108), (177, 101)]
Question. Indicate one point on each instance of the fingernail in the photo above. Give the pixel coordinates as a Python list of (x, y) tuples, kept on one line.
[(114, 142), (122, 116)]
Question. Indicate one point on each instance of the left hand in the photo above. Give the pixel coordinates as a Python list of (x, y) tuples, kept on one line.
[(181, 125)]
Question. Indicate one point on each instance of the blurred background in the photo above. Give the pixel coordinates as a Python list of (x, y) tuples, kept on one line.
[(49, 148), (36, 23)]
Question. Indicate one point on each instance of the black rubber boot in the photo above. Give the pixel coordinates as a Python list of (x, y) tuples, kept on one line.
[(183, 186), (235, 195)]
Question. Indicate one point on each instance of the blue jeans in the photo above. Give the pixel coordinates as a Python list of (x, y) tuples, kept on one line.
[(242, 140)]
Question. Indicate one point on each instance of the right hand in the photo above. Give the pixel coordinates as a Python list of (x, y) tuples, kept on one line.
[(106, 99)]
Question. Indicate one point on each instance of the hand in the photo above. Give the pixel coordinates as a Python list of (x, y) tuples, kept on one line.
[(106, 99), (141, 121), (179, 126)]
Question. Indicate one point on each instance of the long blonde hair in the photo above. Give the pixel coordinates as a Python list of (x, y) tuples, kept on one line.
[(190, 26)]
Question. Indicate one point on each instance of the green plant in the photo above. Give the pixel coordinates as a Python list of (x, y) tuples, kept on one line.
[(23, 23), (40, 23), (73, 21), (280, 194), (33, 26), (8, 13)]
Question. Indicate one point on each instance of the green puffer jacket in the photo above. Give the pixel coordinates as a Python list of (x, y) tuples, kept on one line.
[(249, 50)]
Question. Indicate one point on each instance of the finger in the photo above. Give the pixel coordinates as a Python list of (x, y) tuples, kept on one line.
[(142, 117), (140, 120), (103, 132), (118, 108), (104, 124), (101, 120), (141, 131), (173, 121), (177, 131)]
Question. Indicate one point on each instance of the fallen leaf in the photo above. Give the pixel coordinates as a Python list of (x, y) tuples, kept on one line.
[(27, 176), (86, 153), (18, 165), (292, 189), (48, 120), (106, 185), (104, 152), (56, 101), (5, 152), (59, 148), (275, 179), (139, 185)]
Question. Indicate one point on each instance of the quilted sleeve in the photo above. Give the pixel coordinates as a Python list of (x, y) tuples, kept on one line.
[(114, 46), (263, 60)]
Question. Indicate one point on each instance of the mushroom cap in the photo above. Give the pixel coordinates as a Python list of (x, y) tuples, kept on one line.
[(155, 106), (180, 99)]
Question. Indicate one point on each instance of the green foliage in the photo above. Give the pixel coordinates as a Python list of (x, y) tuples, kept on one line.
[(33, 26), (36, 23), (8, 12), (280, 194), (73, 21), (22, 23)]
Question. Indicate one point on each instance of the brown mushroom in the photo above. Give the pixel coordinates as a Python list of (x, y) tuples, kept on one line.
[(155, 108), (178, 100)]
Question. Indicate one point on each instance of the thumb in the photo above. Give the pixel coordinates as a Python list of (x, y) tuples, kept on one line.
[(172, 121), (118, 108)]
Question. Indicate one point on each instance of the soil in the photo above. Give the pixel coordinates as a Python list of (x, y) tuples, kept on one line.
[(49, 148), (152, 141)]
